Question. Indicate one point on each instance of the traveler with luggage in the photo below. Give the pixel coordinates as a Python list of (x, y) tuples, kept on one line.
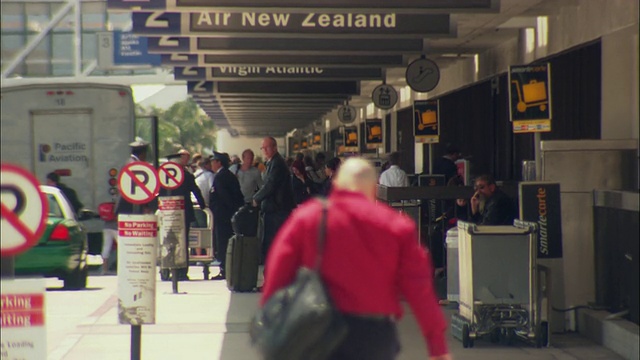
[(371, 260), (224, 200), (276, 196)]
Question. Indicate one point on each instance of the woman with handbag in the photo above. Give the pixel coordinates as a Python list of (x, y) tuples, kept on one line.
[(359, 258)]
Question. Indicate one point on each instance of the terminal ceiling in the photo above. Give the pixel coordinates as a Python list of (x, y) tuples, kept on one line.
[(267, 70)]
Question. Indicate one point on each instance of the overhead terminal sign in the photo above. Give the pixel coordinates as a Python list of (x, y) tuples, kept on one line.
[(273, 87), (281, 60), (199, 87), (292, 24), (131, 49), (384, 96), (325, 5), (167, 44), (275, 72), (422, 75), (256, 45)]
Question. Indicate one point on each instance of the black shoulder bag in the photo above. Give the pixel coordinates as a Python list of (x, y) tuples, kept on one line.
[(300, 321)]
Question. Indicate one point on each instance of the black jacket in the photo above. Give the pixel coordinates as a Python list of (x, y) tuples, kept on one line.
[(299, 187), (71, 195), (188, 186), (225, 197), (498, 210), (276, 195), (445, 166)]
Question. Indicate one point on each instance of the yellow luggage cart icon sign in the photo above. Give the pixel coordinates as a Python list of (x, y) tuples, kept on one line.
[(352, 137), (375, 132), (427, 119), (532, 94), (316, 139)]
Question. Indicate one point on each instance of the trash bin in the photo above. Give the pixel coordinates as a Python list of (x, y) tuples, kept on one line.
[(453, 278)]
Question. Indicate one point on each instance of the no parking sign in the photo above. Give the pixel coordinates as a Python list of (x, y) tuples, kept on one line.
[(23, 212), (171, 175), (138, 182)]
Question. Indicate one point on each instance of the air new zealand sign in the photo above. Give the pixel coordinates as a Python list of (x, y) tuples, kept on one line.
[(390, 23)]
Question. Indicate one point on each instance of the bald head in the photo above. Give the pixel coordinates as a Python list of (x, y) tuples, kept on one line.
[(269, 147), (357, 175)]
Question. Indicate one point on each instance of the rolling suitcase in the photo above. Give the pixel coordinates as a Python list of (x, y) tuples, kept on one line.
[(243, 257), (245, 221)]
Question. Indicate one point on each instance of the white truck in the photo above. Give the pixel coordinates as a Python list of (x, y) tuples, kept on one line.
[(80, 131)]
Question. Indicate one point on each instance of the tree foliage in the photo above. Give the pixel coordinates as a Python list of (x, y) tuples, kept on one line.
[(181, 126)]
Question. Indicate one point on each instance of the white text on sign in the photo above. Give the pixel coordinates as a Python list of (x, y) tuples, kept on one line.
[(311, 20), (22, 310)]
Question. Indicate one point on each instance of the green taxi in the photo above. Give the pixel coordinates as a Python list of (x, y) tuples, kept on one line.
[(62, 249)]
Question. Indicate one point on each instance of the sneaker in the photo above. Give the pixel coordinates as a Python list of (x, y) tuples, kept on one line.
[(216, 262), (218, 277)]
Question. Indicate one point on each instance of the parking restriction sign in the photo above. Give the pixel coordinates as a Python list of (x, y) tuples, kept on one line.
[(138, 182), (171, 175), (24, 210)]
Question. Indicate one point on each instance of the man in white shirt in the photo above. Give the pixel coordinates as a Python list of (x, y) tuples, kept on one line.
[(204, 177), (394, 176)]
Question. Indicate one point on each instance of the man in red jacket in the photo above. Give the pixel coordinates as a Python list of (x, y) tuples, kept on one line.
[(372, 259)]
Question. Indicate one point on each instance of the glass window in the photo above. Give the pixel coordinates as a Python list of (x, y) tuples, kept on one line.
[(62, 68), (11, 43), (62, 46), (67, 23), (38, 61), (93, 16), (89, 46), (38, 16), (118, 21), (11, 17), (54, 207)]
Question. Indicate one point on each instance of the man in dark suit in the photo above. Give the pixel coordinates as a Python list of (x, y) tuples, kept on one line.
[(224, 200), (187, 187), (446, 165), (276, 195)]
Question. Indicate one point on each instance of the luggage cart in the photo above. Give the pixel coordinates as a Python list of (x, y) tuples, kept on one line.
[(530, 95), (201, 237), (412, 209), (499, 295), (375, 131), (427, 119)]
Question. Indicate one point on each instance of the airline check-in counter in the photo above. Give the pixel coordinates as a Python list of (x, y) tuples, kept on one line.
[(410, 200)]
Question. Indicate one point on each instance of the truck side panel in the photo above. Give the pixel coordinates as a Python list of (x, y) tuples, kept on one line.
[(63, 143), (91, 124)]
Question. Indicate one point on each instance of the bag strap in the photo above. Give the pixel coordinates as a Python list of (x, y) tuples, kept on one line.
[(322, 233)]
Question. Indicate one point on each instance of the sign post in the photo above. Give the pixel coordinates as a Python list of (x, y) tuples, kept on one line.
[(172, 221), (540, 203), (373, 137), (530, 98), (426, 121), (23, 213), (23, 334), (137, 235)]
